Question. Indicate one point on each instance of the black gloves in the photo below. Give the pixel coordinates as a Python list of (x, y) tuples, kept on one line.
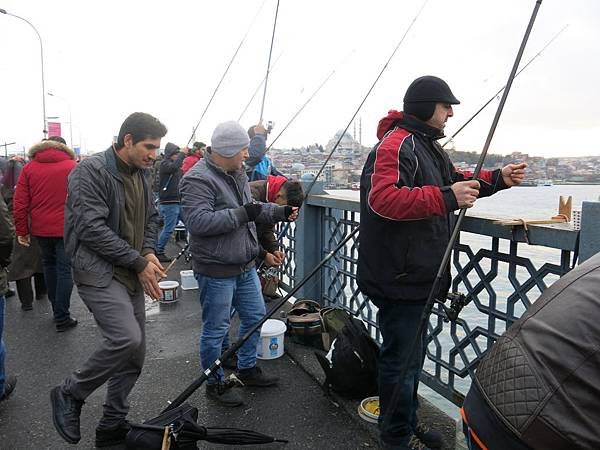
[(253, 210), (288, 211)]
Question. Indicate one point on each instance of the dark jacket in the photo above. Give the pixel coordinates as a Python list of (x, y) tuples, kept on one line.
[(406, 207), (223, 242), (25, 261), (264, 231), (39, 200), (540, 380), (7, 234), (170, 174), (94, 204)]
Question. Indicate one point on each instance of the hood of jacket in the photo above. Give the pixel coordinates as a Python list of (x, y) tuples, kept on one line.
[(171, 149), (50, 151), (398, 118)]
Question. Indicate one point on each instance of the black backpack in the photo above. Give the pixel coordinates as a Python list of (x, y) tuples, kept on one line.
[(351, 365)]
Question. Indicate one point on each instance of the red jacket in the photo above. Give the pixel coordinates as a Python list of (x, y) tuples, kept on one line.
[(39, 201), (189, 162)]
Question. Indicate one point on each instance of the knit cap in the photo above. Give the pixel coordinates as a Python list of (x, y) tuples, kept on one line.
[(229, 138)]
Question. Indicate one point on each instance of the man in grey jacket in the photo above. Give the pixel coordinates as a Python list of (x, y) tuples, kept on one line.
[(110, 235), (220, 216)]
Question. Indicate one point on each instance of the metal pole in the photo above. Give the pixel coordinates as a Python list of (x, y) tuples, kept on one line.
[(3, 11), (70, 117)]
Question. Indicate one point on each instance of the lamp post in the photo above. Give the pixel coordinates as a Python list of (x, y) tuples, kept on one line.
[(70, 118), (3, 11)]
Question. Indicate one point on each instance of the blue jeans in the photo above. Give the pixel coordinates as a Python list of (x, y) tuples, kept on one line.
[(217, 296), (398, 323), (59, 279), (2, 347), (171, 213)]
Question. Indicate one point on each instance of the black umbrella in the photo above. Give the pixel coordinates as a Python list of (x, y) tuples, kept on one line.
[(188, 432)]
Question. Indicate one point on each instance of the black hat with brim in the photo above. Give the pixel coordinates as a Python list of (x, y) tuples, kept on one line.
[(430, 89)]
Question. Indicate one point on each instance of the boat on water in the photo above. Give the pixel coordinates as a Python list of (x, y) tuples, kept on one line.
[(542, 182)]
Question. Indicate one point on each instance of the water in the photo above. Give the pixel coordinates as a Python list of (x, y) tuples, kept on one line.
[(539, 202)]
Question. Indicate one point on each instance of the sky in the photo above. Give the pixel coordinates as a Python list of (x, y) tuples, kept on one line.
[(105, 60)]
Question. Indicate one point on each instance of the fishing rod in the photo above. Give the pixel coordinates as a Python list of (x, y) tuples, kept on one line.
[(310, 186), (258, 89), (307, 102), (262, 108), (446, 258), (224, 74), (314, 180), (502, 88), (235, 347)]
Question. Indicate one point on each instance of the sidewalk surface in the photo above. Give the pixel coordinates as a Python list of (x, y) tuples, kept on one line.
[(296, 410)]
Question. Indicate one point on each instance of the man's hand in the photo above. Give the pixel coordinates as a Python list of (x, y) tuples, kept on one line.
[(513, 174), (280, 256), (260, 128), (185, 150), (24, 240), (149, 278), (294, 214), (466, 192), (151, 257), (273, 260)]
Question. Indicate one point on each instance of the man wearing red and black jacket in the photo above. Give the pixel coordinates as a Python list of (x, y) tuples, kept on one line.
[(409, 191)]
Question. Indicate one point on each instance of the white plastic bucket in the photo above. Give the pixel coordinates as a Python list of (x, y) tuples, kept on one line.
[(187, 280), (270, 344), (168, 291)]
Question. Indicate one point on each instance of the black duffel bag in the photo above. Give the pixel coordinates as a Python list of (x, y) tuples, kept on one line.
[(149, 435)]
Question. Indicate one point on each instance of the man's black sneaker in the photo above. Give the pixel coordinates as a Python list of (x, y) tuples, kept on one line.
[(66, 410), (66, 325), (9, 385), (225, 393), (413, 443), (255, 377), (163, 258), (431, 438), (106, 437)]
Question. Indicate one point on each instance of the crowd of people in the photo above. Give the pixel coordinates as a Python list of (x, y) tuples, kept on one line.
[(99, 227)]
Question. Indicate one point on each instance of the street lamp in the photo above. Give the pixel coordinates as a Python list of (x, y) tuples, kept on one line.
[(3, 11), (70, 119)]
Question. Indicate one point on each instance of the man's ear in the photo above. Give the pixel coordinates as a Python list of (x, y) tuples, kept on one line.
[(128, 140)]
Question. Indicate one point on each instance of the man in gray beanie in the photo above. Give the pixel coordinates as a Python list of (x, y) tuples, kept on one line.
[(220, 216), (409, 190)]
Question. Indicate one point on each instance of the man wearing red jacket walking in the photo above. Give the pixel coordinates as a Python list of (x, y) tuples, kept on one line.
[(38, 209)]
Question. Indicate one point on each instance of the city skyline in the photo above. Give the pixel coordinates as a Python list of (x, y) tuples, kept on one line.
[(104, 61)]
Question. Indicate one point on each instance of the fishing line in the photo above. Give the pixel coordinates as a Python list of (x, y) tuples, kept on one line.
[(310, 186), (225, 73), (262, 108), (502, 88), (385, 423), (308, 101), (258, 89)]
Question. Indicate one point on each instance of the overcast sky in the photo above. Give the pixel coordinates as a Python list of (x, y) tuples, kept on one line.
[(109, 58)]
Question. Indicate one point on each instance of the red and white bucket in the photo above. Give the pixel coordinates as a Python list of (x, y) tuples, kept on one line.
[(168, 291)]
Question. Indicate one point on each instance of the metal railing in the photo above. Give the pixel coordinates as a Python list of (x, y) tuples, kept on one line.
[(500, 269)]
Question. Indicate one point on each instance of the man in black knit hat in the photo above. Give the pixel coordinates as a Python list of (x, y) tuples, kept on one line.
[(409, 191)]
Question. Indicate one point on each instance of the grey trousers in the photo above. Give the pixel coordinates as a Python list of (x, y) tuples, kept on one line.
[(119, 358)]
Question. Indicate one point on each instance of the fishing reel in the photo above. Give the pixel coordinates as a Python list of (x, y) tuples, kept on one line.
[(270, 125), (457, 302)]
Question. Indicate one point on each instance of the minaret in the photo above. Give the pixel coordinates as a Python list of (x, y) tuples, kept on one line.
[(360, 130), (354, 134)]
